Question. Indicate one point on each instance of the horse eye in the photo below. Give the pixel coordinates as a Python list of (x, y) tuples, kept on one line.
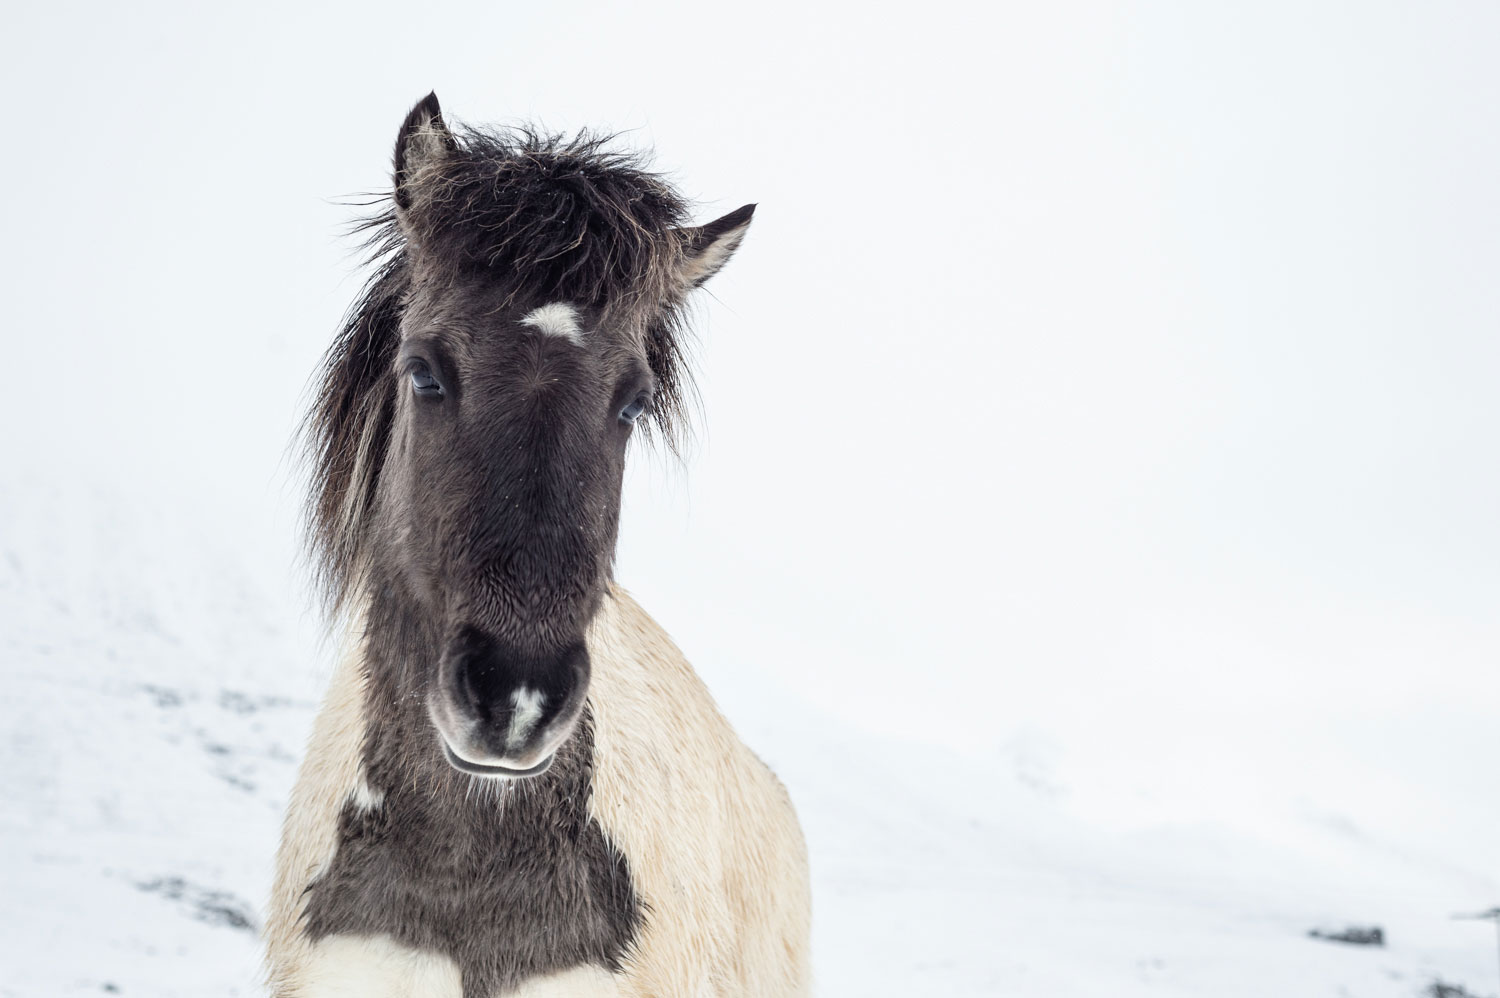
[(633, 411), (423, 383)]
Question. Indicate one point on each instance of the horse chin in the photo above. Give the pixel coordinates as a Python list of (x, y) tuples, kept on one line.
[(467, 750), (493, 771)]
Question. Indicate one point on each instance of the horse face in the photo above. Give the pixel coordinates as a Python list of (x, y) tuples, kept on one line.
[(499, 496), (505, 468)]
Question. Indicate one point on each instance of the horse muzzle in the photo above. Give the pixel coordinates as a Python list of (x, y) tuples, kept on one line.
[(504, 715)]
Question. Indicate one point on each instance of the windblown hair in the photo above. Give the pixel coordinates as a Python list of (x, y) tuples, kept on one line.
[(546, 217)]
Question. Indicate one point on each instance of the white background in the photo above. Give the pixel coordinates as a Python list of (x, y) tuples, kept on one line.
[(1093, 516)]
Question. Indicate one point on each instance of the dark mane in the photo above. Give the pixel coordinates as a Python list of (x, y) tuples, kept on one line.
[(549, 218)]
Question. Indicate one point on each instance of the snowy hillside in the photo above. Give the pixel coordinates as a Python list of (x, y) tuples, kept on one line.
[(160, 691)]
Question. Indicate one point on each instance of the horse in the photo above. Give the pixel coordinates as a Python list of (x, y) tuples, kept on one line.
[(517, 785)]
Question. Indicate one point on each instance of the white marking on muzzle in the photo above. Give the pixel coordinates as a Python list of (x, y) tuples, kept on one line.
[(556, 319), (527, 710)]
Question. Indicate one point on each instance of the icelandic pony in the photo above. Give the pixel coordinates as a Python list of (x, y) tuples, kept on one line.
[(517, 785)]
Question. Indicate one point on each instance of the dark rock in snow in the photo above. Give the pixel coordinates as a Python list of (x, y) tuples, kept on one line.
[(1354, 935), (1441, 989), (204, 904)]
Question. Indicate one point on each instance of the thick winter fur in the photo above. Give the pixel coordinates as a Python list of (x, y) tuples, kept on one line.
[(469, 446), (708, 836), (713, 844)]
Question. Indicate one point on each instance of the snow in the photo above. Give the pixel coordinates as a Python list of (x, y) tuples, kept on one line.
[(160, 692), (1093, 524)]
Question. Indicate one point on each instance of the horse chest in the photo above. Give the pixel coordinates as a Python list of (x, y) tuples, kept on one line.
[(512, 884)]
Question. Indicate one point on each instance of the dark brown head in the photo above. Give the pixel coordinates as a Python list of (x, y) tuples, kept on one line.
[(473, 425)]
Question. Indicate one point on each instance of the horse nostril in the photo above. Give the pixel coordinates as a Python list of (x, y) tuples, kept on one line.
[(475, 680), (478, 677)]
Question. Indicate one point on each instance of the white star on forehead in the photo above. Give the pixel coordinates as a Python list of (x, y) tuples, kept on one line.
[(556, 319)]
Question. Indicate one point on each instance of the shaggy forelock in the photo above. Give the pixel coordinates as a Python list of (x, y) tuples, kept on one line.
[(563, 219), (546, 217)]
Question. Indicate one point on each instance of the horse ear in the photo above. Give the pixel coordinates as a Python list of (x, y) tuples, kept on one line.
[(710, 246), (424, 141)]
